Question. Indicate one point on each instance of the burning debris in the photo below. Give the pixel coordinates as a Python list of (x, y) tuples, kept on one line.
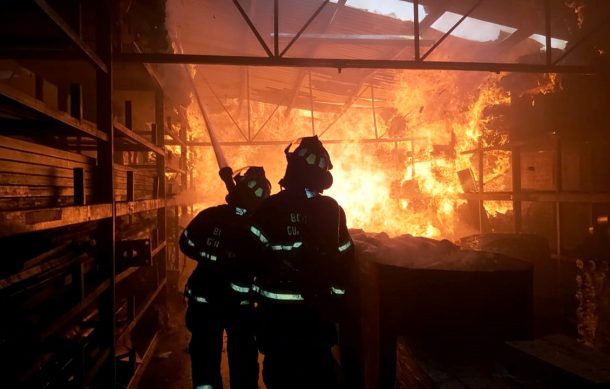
[(432, 124)]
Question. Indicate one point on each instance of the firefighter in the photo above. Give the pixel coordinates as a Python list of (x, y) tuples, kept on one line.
[(218, 291), (304, 276)]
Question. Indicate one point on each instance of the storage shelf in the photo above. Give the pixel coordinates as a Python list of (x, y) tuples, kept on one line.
[(96, 367), (146, 358), (18, 222), (126, 273), (159, 248), (24, 221), (30, 105), (131, 270), (61, 321), (144, 307), (135, 142)]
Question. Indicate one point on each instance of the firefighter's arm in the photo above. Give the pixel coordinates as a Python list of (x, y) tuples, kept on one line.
[(344, 259), (189, 238)]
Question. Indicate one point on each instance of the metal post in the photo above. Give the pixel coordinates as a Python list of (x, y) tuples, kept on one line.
[(105, 179), (416, 27), (412, 156), (374, 115), (481, 177), (249, 108), (159, 131), (76, 101), (516, 175), (128, 117), (79, 186), (276, 38), (547, 22), (558, 188), (313, 125)]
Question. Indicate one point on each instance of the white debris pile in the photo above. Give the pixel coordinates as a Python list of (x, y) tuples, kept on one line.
[(423, 253)]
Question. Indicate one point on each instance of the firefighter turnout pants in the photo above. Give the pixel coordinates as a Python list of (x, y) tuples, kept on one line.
[(297, 347), (206, 322)]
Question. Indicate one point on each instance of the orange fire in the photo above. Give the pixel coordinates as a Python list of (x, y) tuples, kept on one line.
[(407, 186)]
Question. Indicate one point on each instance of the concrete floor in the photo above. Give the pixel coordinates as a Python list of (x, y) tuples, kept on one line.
[(171, 365)]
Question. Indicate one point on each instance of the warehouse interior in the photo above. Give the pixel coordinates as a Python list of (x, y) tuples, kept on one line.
[(470, 148)]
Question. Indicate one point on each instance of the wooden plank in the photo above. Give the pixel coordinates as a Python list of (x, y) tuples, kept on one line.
[(175, 137), (38, 191), (16, 222), (37, 159), (568, 355), (146, 358), (42, 257), (96, 367), (35, 148), (133, 207), (38, 180), (49, 265), (173, 165), (74, 311), (159, 248), (41, 170), (144, 307), (30, 102), (28, 203), (23, 221), (126, 273), (125, 132)]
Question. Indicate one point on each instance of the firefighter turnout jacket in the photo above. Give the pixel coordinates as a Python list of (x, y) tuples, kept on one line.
[(309, 251), (218, 238)]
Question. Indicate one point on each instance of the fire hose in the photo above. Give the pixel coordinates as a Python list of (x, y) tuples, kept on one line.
[(225, 172)]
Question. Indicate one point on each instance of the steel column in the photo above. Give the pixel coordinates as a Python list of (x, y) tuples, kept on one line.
[(416, 27), (547, 25), (276, 38), (516, 178), (105, 179), (313, 124), (374, 114)]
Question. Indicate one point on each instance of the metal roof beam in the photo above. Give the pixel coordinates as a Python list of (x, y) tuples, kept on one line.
[(285, 142), (301, 74), (475, 6), (298, 34), (341, 63), (253, 28)]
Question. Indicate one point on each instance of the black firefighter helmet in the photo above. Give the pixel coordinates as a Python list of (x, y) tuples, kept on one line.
[(308, 165), (251, 188)]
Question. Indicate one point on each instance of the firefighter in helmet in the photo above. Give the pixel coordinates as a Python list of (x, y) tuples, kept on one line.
[(218, 291), (303, 277)]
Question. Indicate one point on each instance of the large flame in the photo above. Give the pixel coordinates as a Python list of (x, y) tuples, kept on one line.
[(406, 186)]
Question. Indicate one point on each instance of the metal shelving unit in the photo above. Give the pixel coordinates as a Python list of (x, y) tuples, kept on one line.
[(65, 186)]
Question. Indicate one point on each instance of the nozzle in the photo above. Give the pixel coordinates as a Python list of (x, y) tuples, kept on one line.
[(226, 174)]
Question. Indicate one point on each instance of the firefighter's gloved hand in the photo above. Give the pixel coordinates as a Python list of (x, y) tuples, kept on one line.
[(226, 173)]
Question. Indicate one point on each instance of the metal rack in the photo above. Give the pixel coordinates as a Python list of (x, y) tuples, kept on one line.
[(101, 220)]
